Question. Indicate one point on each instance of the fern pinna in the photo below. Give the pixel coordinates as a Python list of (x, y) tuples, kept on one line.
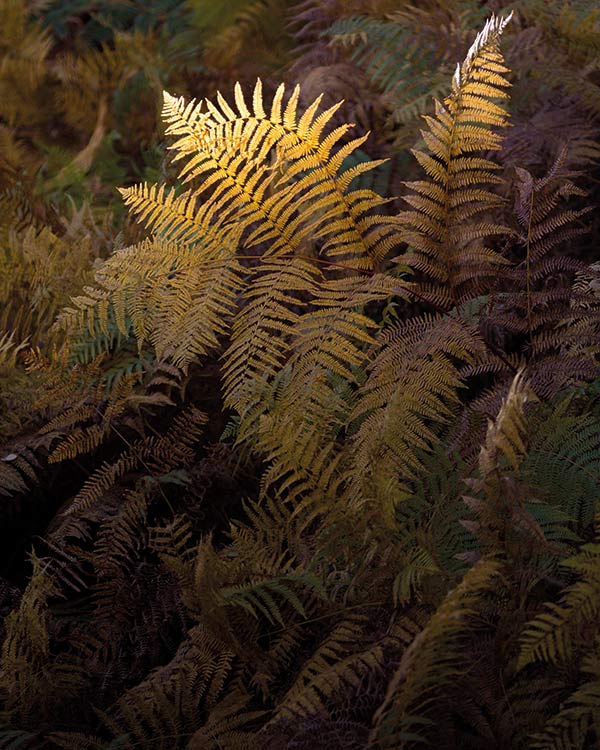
[(304, 472)]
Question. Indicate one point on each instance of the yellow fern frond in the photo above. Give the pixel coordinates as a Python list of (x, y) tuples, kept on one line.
[(303, 195), (553, 634), (445, 227)]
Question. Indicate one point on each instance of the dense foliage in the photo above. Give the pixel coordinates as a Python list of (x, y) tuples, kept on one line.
[(287, 463)]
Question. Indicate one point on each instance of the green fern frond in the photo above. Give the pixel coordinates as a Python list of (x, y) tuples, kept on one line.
[(258, 597)]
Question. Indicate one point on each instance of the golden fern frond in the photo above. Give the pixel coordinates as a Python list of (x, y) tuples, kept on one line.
[(445, 228), (339, 661), (411, 388), (261, 333), (330, 345), (302, 196), (431, 663), (173, 295)]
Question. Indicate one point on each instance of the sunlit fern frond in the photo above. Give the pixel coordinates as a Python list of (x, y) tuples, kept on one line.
[(299, 197), (451, 211), (329, 348), (240, 200), (255, 354)]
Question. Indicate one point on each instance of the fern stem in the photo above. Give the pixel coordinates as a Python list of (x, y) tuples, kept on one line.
[(528, 265)]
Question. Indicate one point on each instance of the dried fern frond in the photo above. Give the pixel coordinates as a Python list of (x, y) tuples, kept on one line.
[(28, 669), (166, 707)]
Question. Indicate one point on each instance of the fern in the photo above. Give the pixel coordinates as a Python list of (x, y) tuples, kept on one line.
[(431, 663), (412, 386), (444, 228), (550, 637), (406, 56), (27, 669)]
